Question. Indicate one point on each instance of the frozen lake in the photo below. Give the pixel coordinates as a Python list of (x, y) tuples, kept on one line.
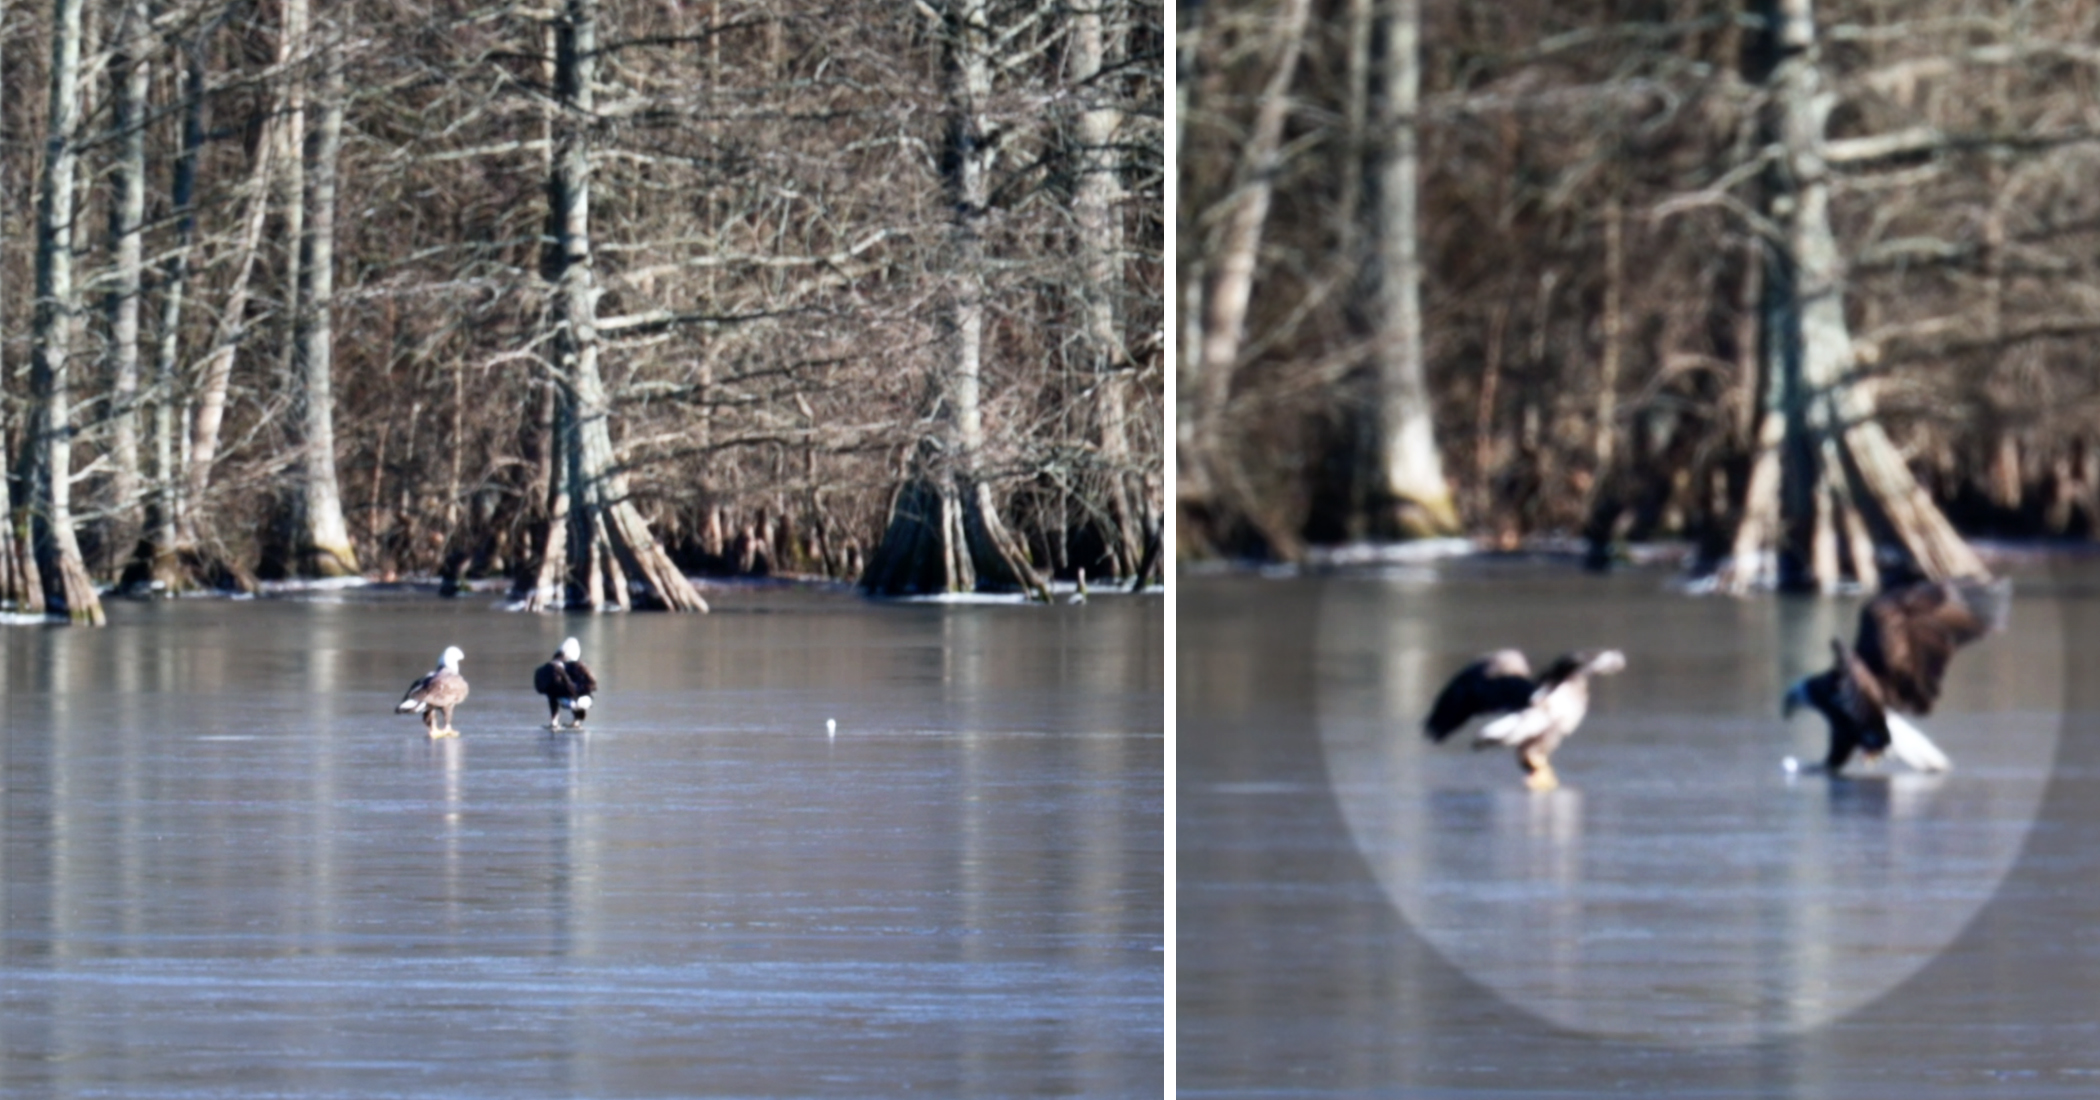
[(227, 869), (1362, 913)]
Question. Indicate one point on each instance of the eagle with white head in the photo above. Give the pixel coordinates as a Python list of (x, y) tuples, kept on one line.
[(1906, 638), (1532, 716), (436, 693), (566, 682)]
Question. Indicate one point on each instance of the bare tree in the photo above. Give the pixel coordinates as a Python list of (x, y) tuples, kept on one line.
[(597, 541), (1604, 202), (1410, 487), (945, 533), (296, 43), (778, 293), (47, 453), (321, 543), (131, 81), (1841, 480), (1098, 194), (157, 562), (21, 588), (215, 387), (1212, 480)]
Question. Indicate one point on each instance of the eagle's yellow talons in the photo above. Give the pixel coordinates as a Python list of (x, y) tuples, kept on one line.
[(1538, 769)]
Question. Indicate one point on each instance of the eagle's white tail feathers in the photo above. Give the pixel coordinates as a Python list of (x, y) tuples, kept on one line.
[(1911, 746), (1511, 729)]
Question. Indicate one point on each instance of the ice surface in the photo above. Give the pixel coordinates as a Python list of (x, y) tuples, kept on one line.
[(229, 869)]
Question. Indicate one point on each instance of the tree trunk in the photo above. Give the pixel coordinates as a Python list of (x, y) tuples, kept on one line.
[(1097, 195), (1218, 486), (321, 547), (226, 341), (1191, 486), (295, 48), (21, 589), (47, 453), (598, 547), (1411, 494), (131, 78), (1359, 25), (1758, 521), (190, 563), (1611, 322), (944, 532), (156, 564), (1840, 480)]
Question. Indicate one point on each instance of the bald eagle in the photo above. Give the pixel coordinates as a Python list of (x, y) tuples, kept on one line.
[(1532, 716), (566, 682), (436, 693), (1906, 637)]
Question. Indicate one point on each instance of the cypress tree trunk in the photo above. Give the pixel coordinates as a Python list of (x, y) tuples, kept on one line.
[(47, 453), (131, 77), (1211, 481), (944, 532), (1410, 489), (322, 543), (598, 550), (21, 589), (218, 366), (295, 50), (1097, 192), (1843, 493), (155, 564)]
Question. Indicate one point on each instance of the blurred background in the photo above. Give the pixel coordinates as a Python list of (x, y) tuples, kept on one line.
[(1790, 285)]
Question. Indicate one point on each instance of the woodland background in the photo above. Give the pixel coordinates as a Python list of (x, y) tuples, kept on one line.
[(1652, 248), (816, 231)]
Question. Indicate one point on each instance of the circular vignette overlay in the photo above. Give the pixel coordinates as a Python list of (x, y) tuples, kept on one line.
[(1681, 887)]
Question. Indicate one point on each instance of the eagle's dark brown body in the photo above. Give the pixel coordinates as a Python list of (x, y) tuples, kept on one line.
[(435, 694), (566, 682), (1906, 638)]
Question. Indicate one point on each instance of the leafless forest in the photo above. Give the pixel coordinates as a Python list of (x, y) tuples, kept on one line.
[(591, 295), (1797, 283)]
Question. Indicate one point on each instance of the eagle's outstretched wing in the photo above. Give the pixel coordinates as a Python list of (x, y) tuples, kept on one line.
[(1908, 635), (1495, 684)]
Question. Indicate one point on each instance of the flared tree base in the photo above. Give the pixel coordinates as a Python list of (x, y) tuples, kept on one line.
[(945, 537), (606, 559), (68, 590), (21, 588), (155, 570)]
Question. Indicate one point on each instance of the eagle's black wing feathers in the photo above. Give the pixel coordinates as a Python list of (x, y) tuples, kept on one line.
[(1495, 684)]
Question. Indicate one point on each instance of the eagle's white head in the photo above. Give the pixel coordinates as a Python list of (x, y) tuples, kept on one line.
[(571, 649), (452, 657)]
